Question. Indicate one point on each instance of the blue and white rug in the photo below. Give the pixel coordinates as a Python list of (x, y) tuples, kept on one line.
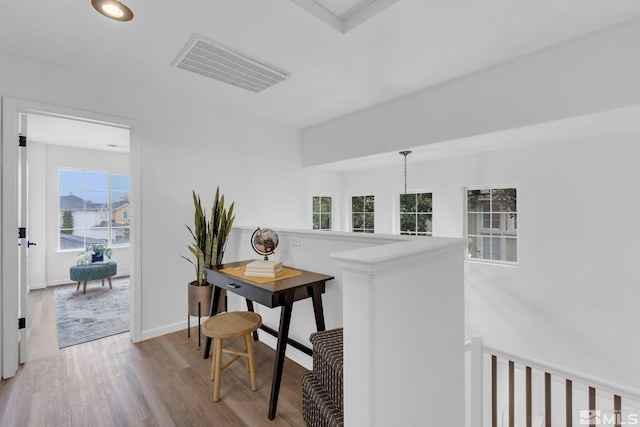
[(97, 314)]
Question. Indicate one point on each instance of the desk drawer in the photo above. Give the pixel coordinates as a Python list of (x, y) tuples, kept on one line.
[(248, 290)]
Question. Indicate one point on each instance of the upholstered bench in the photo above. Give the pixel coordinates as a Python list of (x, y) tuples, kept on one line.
[(97, 270)]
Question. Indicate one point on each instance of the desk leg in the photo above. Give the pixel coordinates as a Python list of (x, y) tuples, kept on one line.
[(283, 335), (316, 297), (212, 312), (250, 308)]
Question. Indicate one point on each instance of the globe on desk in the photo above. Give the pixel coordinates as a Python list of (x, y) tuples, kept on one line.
[(264, 241)]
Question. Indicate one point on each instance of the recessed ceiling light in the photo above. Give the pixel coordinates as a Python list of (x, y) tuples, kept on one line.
[(113, 9)]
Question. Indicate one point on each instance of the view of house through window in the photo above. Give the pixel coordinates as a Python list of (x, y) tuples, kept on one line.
[(94, 207), (415, 214), (321, 213), (492, 224), (362, 214)]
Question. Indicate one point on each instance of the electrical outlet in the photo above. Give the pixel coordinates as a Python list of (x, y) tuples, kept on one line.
[(294, 241)]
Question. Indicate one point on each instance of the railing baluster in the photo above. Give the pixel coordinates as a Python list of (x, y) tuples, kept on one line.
[(569, 397), (512, 398), (592, 404), (494, 391), (617, 409), (547, 399), (528, 396)]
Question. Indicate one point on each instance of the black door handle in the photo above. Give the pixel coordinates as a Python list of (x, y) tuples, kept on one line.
[(31, 244)]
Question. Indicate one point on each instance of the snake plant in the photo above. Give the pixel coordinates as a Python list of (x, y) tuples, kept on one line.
[(209, 237)]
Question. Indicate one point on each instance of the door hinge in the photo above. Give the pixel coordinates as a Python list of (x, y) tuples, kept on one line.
[(22, 232), (22, 323), (22, 141)]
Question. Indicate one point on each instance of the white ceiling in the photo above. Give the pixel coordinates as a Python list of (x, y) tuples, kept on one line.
[(409, 45), (66, 132)]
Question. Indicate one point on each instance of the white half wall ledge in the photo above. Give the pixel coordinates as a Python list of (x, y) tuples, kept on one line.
[(384, 257)]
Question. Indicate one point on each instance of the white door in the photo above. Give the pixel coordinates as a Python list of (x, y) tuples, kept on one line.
[(10, 271), (23, 259)]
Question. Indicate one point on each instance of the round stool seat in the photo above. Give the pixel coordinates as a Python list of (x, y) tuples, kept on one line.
[(231, 325), (97, 270)]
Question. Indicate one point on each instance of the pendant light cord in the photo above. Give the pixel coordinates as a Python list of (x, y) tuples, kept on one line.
[(405, 154)]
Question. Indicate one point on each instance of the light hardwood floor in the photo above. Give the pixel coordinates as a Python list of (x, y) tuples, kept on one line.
[(159, 382)]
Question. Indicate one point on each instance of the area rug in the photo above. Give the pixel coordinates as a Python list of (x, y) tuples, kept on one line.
[(99, 313)]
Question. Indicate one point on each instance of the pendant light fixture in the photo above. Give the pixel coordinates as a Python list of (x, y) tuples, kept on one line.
[(113, 9), (405, 154)]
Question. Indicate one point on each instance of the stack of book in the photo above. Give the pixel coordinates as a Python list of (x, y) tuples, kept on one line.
[(270, 269)]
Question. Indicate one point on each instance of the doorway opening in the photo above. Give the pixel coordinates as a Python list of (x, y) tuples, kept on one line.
[(54, 142), (79, 197)]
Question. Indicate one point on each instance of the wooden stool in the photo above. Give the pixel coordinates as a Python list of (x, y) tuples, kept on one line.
[(230, 325)]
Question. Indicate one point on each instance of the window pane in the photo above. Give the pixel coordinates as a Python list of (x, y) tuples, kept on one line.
[(504, 199), (315, 205), (510, 249), (316, 221), (325, 205), (407, 203), (369, 204), (474, 252), (325, 222), (357, 204), (72, 240), (358, 221), (119, 198), (407, 223), (486, 220), (495, 221), (96, 199), (474, 223), (473, 201), (369, 220), (97, 234), (71, 180), (424, 202), (120, 183), (96, 181), (120, 235), (424, 223)]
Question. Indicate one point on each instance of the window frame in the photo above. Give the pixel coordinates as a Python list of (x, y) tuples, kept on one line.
[(364, 229), (320, 213), (398, 213), (508, 229), (109, 191)]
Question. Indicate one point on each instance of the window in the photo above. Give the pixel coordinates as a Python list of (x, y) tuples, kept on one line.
[(362, 214), (415, 214), (94, 207), (321, 213), (492, 224)]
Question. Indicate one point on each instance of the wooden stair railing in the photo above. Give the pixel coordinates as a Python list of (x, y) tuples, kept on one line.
[(477, 373)]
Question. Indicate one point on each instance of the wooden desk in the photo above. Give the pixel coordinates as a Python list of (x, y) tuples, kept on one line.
[(279, 293)]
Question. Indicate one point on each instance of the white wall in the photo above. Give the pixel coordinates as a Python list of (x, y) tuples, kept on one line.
[(573, 299), (48, 265), (37, 219)]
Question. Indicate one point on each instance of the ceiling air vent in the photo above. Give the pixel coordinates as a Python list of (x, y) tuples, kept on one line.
[(219, 62)]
